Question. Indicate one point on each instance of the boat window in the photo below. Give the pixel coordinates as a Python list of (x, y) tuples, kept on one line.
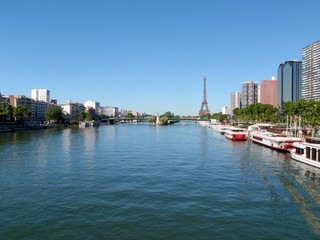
[(308, 152), (318, 155), (299, 150), (314, 154)]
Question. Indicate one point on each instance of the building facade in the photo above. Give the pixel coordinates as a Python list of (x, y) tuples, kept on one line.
[(249, 93), (110, 111), (311, 71), (269, 92), (235, 101), (38, 110), (226, 110), (289, 82), (72, 110), (93, 104), (40, 95)]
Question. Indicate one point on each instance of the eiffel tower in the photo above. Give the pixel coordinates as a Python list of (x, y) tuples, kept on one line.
[(204, 106)]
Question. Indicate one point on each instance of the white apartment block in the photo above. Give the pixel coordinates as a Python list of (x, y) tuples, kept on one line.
[(226, 110), (40, 95), (93, 104), (311, 72)]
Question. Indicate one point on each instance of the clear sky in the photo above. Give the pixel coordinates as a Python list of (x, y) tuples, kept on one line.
[(147, 55)]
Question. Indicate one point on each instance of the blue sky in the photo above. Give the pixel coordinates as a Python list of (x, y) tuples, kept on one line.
[(149, 56)]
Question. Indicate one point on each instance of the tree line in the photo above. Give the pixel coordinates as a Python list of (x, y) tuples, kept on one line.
[(308, 112), (9, 113)]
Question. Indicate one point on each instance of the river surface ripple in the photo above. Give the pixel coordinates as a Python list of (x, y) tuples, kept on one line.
[(138, 181)]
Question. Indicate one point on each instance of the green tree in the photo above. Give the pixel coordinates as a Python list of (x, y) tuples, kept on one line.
[(164, 120), (6, 112), (54, 113), (89, 117), (168, 115), (205, 116), (152, 119), (130, 115), (103, 116), (21, 113), (82, 116)]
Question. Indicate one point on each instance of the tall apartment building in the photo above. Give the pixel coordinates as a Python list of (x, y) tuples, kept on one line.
[(249, 93), (311, 71), (40, 95), (235, 101), (289, 82), (93, 104), (269, 92)]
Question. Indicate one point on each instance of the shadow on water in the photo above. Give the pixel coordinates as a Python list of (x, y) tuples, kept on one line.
[(300, 180), (305, 191)]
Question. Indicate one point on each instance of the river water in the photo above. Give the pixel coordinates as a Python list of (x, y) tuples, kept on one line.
[(138, 181)]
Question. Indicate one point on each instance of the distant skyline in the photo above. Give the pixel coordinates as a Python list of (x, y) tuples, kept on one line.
[(149, 56)]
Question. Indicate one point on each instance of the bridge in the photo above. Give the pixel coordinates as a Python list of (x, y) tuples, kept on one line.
[(145, 119)]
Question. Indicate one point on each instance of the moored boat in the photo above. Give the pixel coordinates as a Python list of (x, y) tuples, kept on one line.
[(236, 134), (219, 128), (274, 140), (307, 152)]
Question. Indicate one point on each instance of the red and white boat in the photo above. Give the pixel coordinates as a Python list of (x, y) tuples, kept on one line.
[(307, 152), (236, 134), (274, 140)]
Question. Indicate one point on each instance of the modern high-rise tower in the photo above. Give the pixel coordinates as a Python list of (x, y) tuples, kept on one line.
[(249, 93), (235, 101), (204, 105), (311, 71), (268, 91), (289, 82)]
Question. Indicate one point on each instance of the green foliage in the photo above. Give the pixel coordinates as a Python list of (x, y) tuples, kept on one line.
[(82, 116), (168, 115), (54, 113), (129, 115), (256, 113), (103, 116), (205, 116), (6, 112), (152, 119), (308, 110), (74, 122), (89, 117), (220, 117), (164, 120), (21, 113)]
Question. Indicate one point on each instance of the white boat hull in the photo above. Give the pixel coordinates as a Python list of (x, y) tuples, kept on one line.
[(279, 143), (302, 158)]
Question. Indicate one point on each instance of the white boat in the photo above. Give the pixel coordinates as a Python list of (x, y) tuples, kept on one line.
[(204, 123), (274, 140), (307, 152), (259, 127), (236, 134), (219, 128), (83, 124)]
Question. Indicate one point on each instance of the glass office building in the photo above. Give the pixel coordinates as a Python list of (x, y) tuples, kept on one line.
[(289, 82)]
